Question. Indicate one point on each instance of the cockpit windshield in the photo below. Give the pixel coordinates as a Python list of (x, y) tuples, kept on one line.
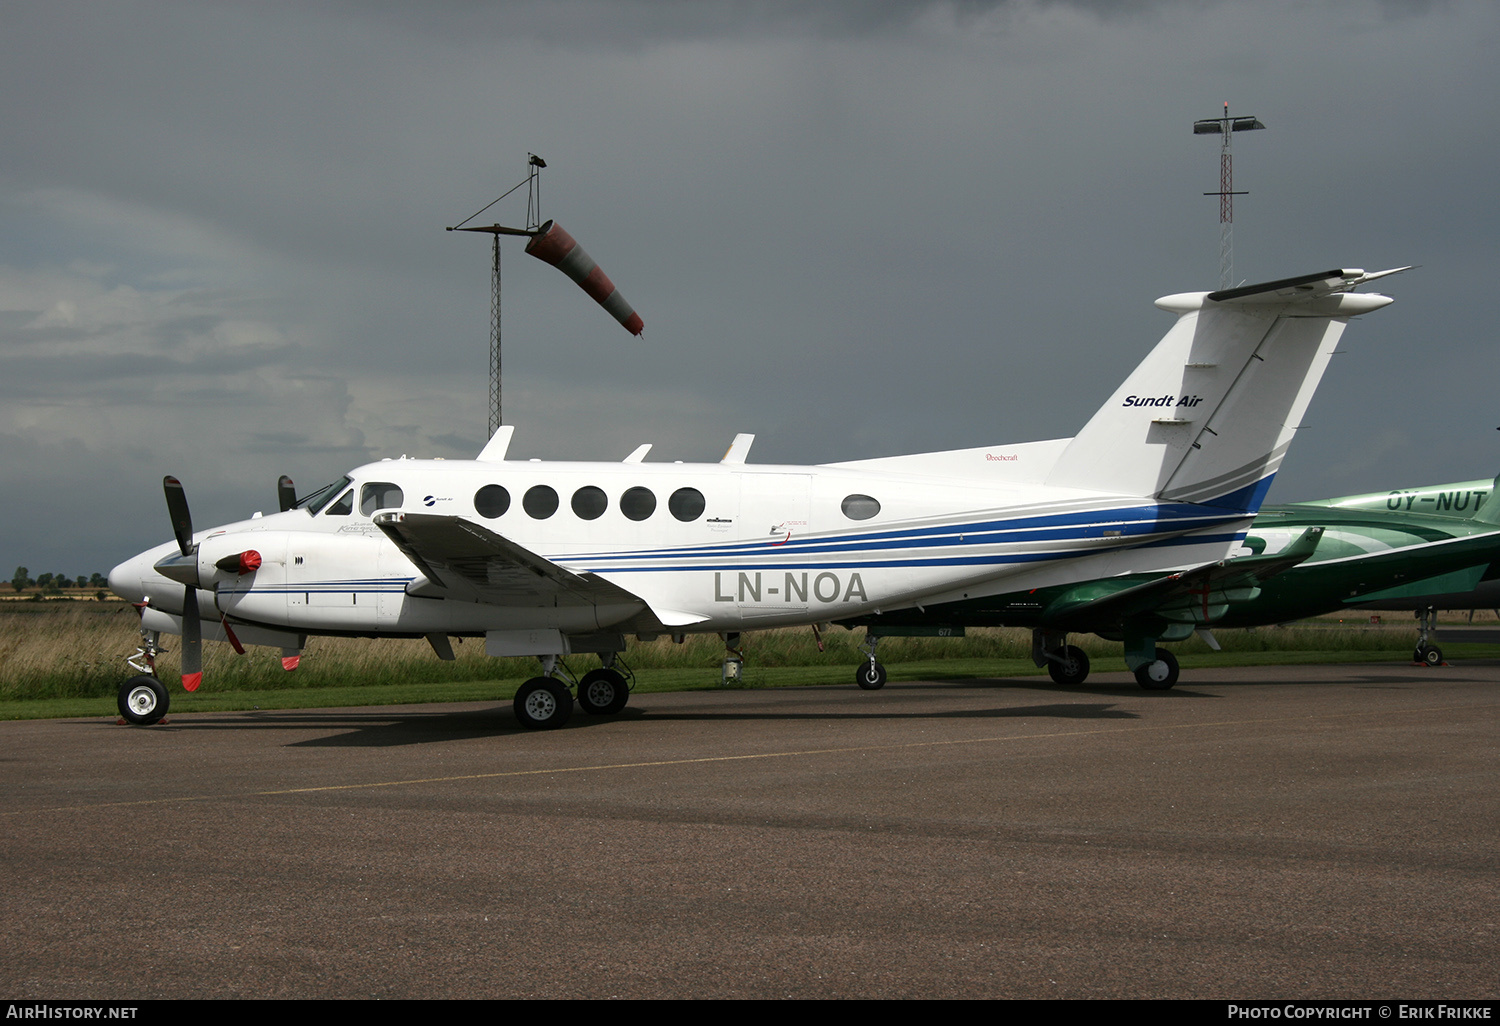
[(315, 502)]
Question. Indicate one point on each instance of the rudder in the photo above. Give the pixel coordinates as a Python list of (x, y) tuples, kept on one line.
[(1209, 413)]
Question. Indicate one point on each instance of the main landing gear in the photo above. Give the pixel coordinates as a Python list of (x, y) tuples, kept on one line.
[(545, 703), (1070, 667), (1155, 668), (1066, 664), (1160, 673), (1427, 653)]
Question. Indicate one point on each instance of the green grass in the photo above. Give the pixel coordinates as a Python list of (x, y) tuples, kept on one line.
[(65, 659)]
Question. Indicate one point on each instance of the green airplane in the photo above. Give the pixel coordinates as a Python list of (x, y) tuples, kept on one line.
[(1405, 549)]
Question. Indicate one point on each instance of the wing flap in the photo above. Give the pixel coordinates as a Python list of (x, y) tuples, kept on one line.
[(463, 560)]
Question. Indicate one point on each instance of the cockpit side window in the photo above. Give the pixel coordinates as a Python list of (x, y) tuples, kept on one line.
[(378, 495), (343, 507), (315, 502)]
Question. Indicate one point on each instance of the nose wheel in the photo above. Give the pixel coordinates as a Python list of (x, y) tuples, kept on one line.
[(870, 676), (143, 700)]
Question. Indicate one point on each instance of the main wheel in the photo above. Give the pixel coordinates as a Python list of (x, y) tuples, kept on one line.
[(1073, 668), (143, 700), (870, 676), (602, 692), (1428, 654), (543, 704), (1160, 673)]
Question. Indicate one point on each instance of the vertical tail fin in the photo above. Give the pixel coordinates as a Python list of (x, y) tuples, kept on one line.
[(1489, 511), (1209, 414)]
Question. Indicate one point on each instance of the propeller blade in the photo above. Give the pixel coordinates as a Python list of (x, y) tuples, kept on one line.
[(177, 509), (192, 641), (286, 492)]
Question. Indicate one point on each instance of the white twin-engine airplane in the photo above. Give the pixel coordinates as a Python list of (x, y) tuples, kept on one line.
[(547, 559)]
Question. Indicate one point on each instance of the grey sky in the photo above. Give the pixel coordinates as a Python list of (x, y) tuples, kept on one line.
[(854, 229)]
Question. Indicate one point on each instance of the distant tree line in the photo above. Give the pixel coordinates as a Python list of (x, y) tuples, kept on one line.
[(53, 584)]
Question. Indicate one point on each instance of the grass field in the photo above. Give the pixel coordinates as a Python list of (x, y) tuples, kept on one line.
[(67, 658)]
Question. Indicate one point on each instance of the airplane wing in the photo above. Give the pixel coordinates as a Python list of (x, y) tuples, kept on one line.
[(464, 561), (1192, 596)]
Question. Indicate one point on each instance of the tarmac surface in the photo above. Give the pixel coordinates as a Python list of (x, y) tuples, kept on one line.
[(1289, 832)]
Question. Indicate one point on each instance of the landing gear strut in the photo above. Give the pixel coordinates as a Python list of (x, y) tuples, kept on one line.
[(734, 661), (870, 675), (143, 700), (1066, 664), (546, 703), (1427, 653)]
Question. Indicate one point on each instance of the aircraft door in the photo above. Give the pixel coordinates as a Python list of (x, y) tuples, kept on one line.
[(777, 509), (394, 571)]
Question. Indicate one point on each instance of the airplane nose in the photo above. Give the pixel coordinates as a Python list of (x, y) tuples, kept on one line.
[(137, 579), (125, 580)]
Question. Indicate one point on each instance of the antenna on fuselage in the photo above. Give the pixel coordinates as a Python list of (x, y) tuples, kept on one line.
[(549, 243)]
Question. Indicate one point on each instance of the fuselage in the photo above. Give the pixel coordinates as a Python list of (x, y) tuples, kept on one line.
[(701, 547)]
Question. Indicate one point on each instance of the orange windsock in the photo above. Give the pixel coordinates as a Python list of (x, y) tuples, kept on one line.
[(552, 245)]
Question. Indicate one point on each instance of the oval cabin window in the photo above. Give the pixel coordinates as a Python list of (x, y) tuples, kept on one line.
[(687, 504), (539, 502), (638, 503), (589, 503), (860, 507), (491, 501)]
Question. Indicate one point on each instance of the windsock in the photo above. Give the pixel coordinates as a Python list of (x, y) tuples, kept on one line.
[(552, 245)]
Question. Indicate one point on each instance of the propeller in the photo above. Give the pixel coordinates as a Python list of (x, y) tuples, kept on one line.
[(184, 569), (286, 492)]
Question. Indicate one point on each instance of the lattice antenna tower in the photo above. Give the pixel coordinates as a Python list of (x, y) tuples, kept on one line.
[(551, 244), (532, 181), (1225, 127)]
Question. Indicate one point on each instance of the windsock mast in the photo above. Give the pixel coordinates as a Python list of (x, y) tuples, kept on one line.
[(551, 244)]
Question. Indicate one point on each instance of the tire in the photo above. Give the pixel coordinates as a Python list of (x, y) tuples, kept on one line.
[(870, 676), (143, 700), (1073, 668), (1430, 655), (543, 704), (1159, 674), (602, 692)]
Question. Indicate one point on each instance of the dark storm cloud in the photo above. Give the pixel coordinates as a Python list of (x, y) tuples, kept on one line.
[(852, 228)]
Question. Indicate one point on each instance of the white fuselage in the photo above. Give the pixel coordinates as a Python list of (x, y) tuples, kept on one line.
[(1166, 474), (766, 546)]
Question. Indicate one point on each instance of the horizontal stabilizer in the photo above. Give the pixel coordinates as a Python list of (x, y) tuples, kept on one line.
[(1189, 595), (1209, 414), (1454, 582)]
